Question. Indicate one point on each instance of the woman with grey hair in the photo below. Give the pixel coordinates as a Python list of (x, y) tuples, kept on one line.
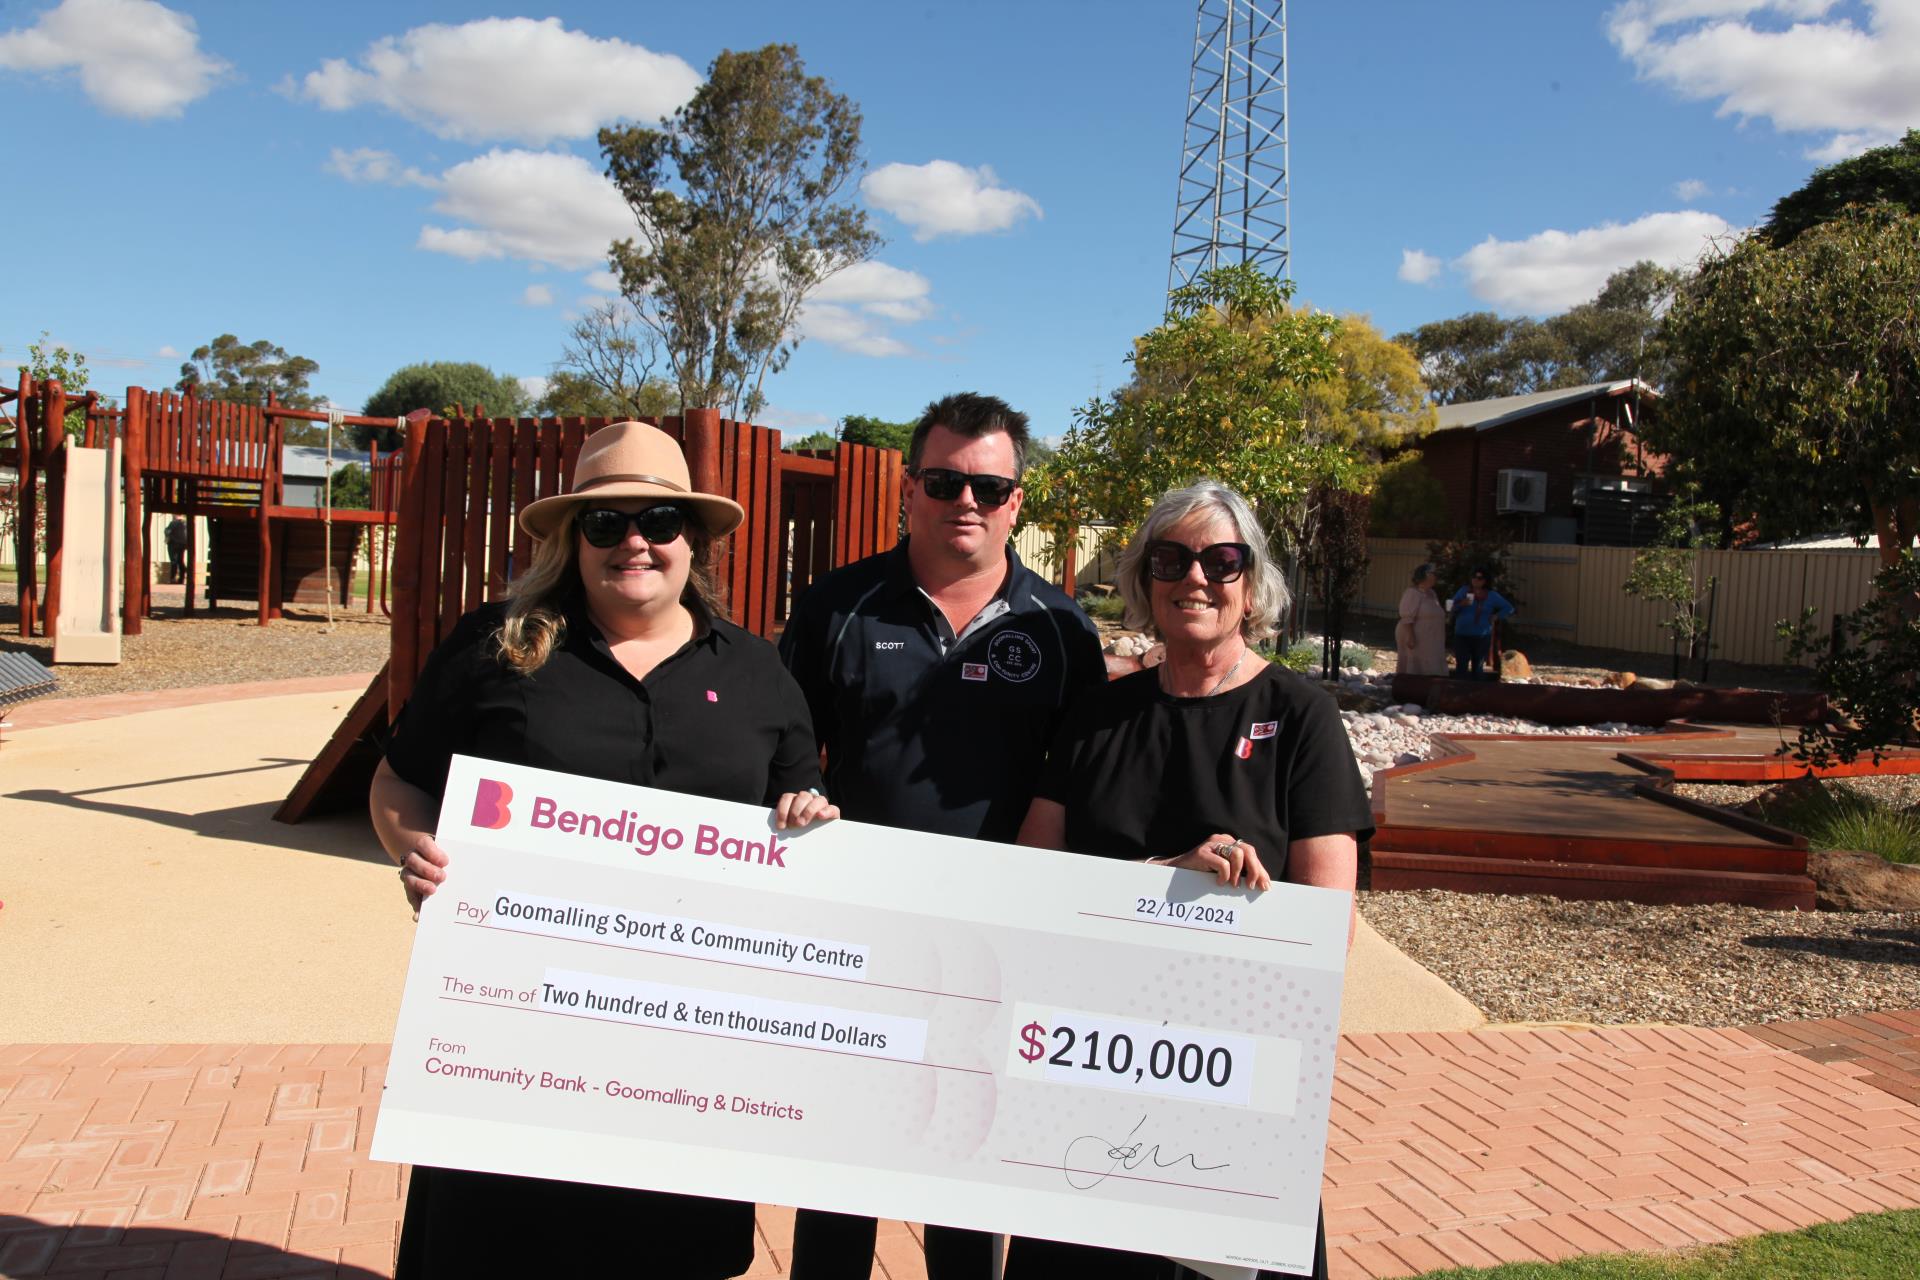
[(1216, 760), (1420, 637)]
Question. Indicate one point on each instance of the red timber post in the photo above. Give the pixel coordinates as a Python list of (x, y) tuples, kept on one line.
[(700, 441), (26, 541), (269, 464), (53, 433), (133, 444), (409, 530)]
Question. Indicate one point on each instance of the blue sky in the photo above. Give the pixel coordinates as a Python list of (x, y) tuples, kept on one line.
[(373, 185)]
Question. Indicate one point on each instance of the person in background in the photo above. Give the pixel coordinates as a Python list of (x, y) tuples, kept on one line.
[(1420, 637), (177, 539), (936, 674), (1216, 760), (609, 659), (1477, 608)]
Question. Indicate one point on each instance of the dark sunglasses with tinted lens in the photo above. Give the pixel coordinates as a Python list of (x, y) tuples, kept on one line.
[(943, 485), (604, 527), (1221, 562)]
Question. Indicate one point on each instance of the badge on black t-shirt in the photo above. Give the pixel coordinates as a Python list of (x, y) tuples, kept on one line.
[(1014, 656)]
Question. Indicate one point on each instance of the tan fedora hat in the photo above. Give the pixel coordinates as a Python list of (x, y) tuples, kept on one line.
[(631, 460)]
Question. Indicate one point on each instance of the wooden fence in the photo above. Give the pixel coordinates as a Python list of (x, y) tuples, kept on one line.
[(1574, 594), (457, 542)]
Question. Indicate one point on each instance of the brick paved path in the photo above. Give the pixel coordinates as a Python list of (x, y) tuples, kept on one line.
[(166, 1162)]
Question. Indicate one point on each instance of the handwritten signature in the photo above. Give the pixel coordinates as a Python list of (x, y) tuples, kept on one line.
[(1131, 1152)]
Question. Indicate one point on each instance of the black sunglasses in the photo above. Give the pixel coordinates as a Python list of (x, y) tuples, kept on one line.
[(1221, 562), (943, 485), (604, 527)]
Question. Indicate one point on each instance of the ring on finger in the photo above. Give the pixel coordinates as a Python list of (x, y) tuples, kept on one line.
[(1224, 847)]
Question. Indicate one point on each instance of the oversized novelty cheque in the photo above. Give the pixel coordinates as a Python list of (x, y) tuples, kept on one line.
[(641, 988)]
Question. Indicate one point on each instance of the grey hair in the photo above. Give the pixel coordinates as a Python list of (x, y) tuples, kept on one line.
[(1268, 598), (1421, 572)]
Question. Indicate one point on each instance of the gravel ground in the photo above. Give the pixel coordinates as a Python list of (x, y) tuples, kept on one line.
[(224, 647), (1539, 959), (1895, 791)]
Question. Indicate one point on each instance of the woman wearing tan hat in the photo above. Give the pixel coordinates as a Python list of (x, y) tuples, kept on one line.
[(608, 659)]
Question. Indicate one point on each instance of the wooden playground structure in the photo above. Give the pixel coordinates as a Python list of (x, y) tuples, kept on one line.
[(184, 456), (457, 542)]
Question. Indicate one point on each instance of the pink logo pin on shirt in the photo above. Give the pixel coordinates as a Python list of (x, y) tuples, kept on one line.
[(712, 696)]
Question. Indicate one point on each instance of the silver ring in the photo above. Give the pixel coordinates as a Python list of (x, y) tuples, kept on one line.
[(1223, 848)]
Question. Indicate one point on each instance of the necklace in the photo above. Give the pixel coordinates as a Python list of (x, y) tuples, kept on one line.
[(1217, 684)]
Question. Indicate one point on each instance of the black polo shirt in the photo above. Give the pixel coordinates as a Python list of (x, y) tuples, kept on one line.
[(1144, 774), (925, 731), (720, 718)]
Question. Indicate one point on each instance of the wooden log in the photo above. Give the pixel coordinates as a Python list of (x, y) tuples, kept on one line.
[(26, 536), (53, 435), (410, 535), (135, 600), (1571, 704)]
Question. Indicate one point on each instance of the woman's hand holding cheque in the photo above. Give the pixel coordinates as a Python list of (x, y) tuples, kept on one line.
[(1231, 862), (802, 808)]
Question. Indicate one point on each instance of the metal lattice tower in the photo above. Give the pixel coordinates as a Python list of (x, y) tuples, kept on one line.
[(1232, 202)]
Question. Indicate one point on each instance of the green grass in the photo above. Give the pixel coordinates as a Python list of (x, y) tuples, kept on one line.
[(1835, 816), (1107, 608), (1873, 1246)]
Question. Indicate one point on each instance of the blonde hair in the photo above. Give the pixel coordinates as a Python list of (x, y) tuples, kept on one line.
[(536, 620), (1267, 597)]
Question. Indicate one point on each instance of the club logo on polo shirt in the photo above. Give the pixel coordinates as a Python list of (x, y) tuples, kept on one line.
[(1014, 656)]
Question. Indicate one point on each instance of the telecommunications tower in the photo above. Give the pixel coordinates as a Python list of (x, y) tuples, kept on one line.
[(1232, 201)]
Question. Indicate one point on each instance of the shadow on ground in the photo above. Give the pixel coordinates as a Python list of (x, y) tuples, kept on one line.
[(32, 1248), (1866, 946), (347, 834)]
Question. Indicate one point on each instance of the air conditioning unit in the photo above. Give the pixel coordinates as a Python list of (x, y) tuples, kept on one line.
[(1522, 491)]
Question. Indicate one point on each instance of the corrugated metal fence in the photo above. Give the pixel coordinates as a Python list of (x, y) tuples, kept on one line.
[(1091, 565), (1574, 593)]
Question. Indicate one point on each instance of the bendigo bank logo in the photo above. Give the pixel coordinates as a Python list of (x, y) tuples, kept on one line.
[(490, 800)]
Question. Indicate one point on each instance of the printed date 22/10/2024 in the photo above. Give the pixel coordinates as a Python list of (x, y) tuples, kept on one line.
[(1197, 915)]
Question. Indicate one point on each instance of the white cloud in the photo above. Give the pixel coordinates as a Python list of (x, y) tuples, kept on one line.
[(1417, 267), (1554, 270), (168, 352), (134, 57), (603, 281), (849, 330), (369, 164), (536, 295), (1791, 62), (943, 198), (886, 291), (534, 385), (539, 206), (853, 308), (1687, 190), (506, 78)]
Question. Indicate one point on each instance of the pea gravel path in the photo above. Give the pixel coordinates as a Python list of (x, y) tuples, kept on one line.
[(1539, 959)]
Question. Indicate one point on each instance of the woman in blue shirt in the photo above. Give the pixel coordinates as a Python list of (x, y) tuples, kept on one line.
[(1476, 608)]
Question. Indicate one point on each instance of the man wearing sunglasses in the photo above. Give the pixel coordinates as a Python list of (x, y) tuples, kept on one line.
[(936, 674)]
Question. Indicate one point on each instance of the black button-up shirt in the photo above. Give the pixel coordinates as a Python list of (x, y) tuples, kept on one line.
[(720, 718), (928, 732)]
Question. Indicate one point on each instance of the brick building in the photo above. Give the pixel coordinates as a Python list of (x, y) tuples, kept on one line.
[(1554, 466)]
